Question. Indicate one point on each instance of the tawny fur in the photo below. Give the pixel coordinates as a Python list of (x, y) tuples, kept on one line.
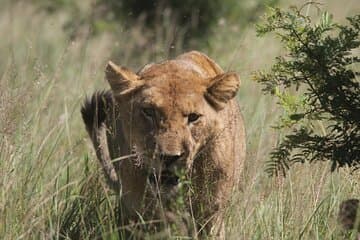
[(213, 146)]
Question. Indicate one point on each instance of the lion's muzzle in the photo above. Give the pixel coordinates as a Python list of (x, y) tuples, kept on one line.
[(170, 145)]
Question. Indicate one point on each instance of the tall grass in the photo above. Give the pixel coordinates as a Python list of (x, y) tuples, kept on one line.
[(50, 180)]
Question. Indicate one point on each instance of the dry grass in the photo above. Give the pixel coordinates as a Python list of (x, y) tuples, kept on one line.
[(47, 166)]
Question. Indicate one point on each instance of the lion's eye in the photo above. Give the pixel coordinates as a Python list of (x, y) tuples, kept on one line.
[(148, 112), (193, 117)]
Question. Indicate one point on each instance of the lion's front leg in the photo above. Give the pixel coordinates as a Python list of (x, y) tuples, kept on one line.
[(133, 183)]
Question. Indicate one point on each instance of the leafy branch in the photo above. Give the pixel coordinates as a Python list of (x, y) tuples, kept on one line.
[(315, 81)]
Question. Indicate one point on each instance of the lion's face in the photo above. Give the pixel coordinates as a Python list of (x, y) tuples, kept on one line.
[(172, 119), (171, 124), (171, 112)]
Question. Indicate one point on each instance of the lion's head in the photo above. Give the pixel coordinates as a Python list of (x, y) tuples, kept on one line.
[(171, 110)]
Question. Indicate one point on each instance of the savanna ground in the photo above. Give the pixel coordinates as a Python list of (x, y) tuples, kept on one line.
[(49, 174)]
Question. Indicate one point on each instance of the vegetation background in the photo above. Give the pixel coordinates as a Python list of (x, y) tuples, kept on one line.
[(53, 54)]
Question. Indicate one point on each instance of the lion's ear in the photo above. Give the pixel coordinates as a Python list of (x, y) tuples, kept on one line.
[(221, 89), (122, 80)]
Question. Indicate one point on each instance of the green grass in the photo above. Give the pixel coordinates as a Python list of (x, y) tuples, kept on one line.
[(49, 174)]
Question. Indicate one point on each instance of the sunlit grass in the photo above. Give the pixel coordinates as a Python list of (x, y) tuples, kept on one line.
[(50, 180)]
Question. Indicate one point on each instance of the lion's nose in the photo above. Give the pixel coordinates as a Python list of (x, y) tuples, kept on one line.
[(169, 159)]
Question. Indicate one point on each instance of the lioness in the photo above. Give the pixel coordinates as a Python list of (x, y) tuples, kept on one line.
[(176, 115)]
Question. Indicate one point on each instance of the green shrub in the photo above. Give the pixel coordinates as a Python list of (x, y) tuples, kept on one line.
[(190, 19), (196, 16), (317, 84)]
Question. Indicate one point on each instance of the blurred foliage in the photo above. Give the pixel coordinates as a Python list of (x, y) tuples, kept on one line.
[(317, 84), (197, 16), (191, 19), (54, 5)]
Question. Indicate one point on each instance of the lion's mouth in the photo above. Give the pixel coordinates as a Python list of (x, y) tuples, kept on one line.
[(165, 178)]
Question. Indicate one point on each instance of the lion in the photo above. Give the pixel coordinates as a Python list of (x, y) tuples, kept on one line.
[(179, 115)]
